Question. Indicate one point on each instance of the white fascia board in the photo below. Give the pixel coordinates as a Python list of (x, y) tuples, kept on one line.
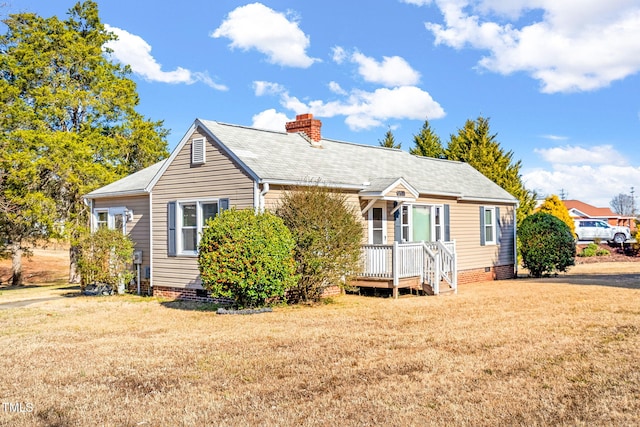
[(116, 194), (187, 136), (171, 158), (227, 150), (310, 184), (488, 199)]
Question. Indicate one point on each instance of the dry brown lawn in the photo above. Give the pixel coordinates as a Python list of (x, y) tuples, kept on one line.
[(559, 351)]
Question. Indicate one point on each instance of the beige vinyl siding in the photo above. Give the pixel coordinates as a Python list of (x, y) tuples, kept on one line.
[(464, 227), (138, 229), (398, 188), (464, 223), (219, 177)]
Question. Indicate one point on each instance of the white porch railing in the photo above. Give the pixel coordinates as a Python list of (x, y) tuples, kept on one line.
[(432, 262)]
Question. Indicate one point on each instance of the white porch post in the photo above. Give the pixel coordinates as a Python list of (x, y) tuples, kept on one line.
[(395, 270)]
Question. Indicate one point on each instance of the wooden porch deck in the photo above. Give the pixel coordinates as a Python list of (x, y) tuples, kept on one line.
[(427, 267)]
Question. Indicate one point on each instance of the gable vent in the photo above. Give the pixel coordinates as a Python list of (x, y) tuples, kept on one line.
[(197, 151)]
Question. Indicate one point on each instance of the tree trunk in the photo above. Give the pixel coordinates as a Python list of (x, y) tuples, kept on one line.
[(16, 264), (74, 254)]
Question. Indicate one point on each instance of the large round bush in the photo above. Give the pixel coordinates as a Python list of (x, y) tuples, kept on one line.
[(546, 244), (247, 257)]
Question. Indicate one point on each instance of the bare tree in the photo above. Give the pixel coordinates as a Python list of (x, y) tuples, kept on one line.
[(622, 204)]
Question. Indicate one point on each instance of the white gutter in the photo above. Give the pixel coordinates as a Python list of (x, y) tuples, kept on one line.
[(312, 183), (265, 190)]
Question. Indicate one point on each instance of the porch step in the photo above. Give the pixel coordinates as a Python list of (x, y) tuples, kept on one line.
[(445, 289)]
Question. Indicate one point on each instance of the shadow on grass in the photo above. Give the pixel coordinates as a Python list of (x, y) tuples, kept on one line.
[(192, 305), (5, 288), (622, 280)]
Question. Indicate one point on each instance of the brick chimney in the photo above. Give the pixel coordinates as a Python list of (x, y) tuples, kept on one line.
[(307, 124)]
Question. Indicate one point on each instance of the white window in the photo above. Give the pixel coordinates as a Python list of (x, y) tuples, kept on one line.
[(113, 218), (377, 226), (192, 218), (489, 226), (102, 218), (421, 223)]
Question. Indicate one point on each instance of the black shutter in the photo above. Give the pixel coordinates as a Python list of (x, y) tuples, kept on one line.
[(447, 228), (224, 205), (482, 240), (498, 226), (171, 228)]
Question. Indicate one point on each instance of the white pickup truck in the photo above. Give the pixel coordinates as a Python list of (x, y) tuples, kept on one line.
[(591, 229)]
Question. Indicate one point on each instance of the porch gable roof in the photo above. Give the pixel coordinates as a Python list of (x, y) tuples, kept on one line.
[(381, 187)]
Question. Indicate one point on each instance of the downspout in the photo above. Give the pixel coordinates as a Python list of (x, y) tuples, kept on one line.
[(151, 243), (256, 197), (265, 190), (515, 242)]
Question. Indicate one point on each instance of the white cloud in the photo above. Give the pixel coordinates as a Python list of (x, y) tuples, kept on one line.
[(262, 88), (270, 120), (392, 71), (417, 2), (134, 51), (578, 45), (555, 137), (595, 185), (338, 54), (593, 175), (597, 155), (256, 26), (336, 88), (365, 110)]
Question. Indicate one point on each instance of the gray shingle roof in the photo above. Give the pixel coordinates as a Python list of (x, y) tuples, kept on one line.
[(136, 183), (280, 157), (288, 157)]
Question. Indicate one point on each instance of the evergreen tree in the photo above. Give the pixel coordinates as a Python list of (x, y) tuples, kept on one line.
[(389, 140), (67, 125), (554, 206), (427, 143), (474, 144)]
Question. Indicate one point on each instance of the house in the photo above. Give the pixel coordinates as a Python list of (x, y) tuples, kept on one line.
[(426, 220), (580, 210)]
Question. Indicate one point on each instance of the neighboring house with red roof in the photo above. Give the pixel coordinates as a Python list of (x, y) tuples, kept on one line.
[(581, 210)]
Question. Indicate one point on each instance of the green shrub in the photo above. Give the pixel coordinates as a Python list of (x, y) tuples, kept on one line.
[(546, 244), (246, 257), (592, 249), (328, 239), (105, 256)]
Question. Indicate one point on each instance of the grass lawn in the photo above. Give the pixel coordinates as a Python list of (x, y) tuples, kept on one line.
[(559, 351)]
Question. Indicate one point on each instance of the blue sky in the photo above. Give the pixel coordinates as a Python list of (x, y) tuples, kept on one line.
[(558, 79)]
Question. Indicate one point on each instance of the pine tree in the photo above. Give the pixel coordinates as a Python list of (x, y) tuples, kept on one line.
[(427, 143), (554, 206), (67, 125), (389, 140), (474, 144)]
